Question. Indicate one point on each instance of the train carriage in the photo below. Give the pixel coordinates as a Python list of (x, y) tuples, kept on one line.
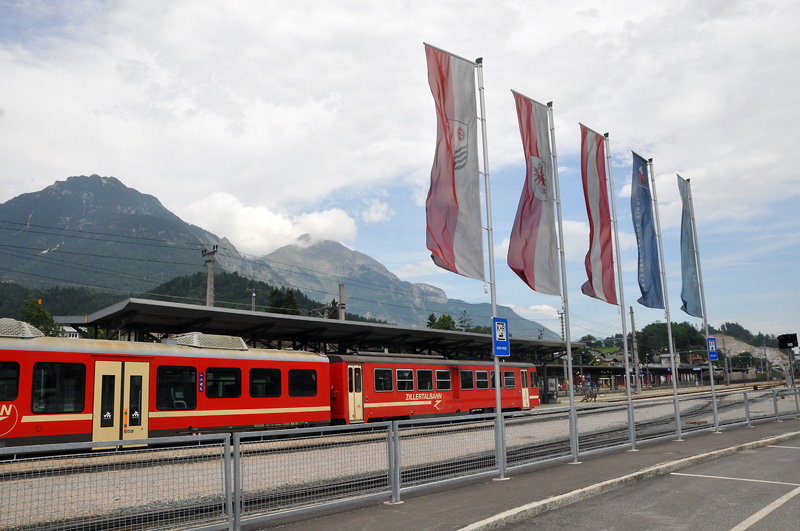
[(74, 390), (370, 387), (68, 390)]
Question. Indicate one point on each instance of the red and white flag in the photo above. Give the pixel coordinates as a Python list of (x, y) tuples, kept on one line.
[(533, 249), (599, 259), (453, 206)]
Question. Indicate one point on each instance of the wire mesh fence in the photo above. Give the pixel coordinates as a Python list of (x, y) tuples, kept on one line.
[(430, 453), (77, 486), (280, 470), (534, 438)]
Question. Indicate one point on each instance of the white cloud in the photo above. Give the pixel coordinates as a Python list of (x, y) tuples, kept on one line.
[(376, 212), (258, 230), (536, 312), (418, 269)]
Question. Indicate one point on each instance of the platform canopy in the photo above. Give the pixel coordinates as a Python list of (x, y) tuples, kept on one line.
[(149, 320)]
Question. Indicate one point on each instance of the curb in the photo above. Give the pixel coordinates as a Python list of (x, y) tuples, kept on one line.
[(532, 509)]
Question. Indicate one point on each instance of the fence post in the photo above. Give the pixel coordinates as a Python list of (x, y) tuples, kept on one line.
[(393, 440), (500, 444), (237, 482), (747, 410), (228, 483), (775, 401), (796, 400)]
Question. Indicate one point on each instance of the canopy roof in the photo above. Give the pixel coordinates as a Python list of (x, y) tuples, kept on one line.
[(149, 319)]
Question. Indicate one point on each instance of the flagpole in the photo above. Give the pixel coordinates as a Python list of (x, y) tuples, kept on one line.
[(573, 417), (666, 305), (500, 437), (621, 307), (702, 301)]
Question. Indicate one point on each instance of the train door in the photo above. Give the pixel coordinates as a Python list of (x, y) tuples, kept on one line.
[(355, 394), (120, 400), (526, 397)]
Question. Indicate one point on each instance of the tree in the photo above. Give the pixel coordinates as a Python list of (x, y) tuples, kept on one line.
[(33, 313), (445, 322), (284, 301), (431, 320), (589, 340), (464, 322)]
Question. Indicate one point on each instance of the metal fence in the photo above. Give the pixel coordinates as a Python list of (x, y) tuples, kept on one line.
[(224, 482), (181, 483)]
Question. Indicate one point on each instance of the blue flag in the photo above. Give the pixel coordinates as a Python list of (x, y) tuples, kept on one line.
[(642, 212), (690, 288)]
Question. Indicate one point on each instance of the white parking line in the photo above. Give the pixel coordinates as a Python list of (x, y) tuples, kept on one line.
[(735, 479), (766, 510), (763, 512)]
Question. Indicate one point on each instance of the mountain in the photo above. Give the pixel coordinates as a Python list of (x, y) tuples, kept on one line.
[(373, 291), (95, 231)]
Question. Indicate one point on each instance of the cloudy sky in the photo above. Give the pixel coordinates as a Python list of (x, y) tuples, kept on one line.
[(262, 121)]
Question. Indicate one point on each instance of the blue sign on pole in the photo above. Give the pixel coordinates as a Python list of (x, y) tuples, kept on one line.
[(712, 349), (500, 340)]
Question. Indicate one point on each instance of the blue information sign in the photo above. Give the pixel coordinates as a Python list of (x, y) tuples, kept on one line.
[(712, 349), (500, 340)]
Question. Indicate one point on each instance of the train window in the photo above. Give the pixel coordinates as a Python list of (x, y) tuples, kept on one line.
[(302, 382), (466, 380), (534, 379), (9, 380), (491, 378), (135, 401), (108, 387), (405, 379), (481, 380), (442, 380), (509, 380), (223, 382), (176, 387), (383, 380), (58, 387), (424, 380), (265, 382)]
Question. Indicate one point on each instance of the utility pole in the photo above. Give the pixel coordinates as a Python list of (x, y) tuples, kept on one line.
[(635, 355), (210, 282), (341, 302)]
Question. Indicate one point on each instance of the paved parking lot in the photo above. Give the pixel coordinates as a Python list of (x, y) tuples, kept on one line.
[(757, 490)]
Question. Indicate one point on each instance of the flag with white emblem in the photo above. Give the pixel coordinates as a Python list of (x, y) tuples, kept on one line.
[(453, 206)]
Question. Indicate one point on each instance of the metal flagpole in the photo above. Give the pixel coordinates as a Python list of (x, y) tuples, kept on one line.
[(621, 307), (573, 417), (500, 432), (702, 302), (674, 369)]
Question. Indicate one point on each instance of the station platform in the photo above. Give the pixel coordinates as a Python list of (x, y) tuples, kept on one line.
[(491, 504)]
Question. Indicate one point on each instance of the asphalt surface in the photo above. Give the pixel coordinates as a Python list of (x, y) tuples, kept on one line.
[(756, 489), (515, 502)]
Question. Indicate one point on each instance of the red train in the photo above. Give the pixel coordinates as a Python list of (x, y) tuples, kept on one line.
[(70, 390)]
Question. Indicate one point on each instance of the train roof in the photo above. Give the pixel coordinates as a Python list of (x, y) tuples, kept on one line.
[(142, 317), (377, 357), (37, 345)]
